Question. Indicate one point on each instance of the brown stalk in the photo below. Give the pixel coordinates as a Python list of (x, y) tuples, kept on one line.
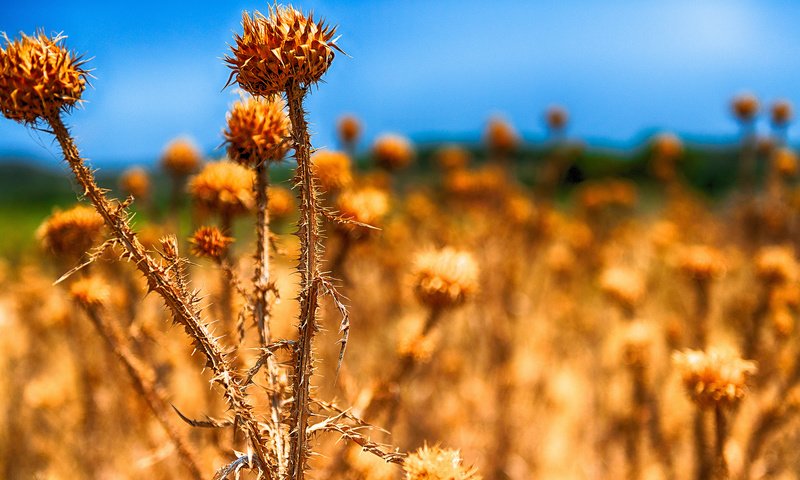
[(721, 430), (182, 306)]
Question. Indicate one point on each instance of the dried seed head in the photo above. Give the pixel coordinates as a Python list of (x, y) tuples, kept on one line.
[(257, 131), (781, 113), (701, 262), (637, 339), (556, 118), (717, 377), (776, 264), (393, 152), (285, 47), (745, 107), (561, 259), (445, 278), (181, 157), (623, 285), (332, 169), (349, 128), (135, 182), (365, 205), (70, 233), (90, 291), (39, 77), (500, 137), (667, 146), (223, 187), (519, 209), (209, 242), (437, 464), (784, 161), (452, 157), (281, 202)]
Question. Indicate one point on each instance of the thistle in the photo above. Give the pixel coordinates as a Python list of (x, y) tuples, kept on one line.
[(332, 169), (349, 129), (71, 233), (392, 152)]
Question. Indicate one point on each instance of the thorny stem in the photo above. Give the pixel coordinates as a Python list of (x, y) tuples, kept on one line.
[(183, 308), (308, 232), (142, 379)]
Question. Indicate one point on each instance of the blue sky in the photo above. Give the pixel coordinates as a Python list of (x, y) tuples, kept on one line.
[(429, 69)]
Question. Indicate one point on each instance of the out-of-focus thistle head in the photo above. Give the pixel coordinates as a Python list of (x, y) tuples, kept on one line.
[(434, 463), (349, 128), (282, 48), (781, 113), (181, 157), (623, 285), (784, 161), (500, 136), (717, 377), (745, 107), (135, 182), (224, 187), (445, 278), (667, 145), (90, 291), (452, 157), (701, 262), (332, 169), (776, 264), (257, 131), (39, 77), (393, 152), (366, 205), (637, 339), (556, 118), (281, 202), (70, 233), (209, 242)]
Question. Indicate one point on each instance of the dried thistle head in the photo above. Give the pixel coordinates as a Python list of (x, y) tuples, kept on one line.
[(556, 118), (349, 129), (223, 187), (500, 136), (784, 162), (637, 340), (745, 107), (444, 278), (393, 152), (39, 77), (209, 242), (717, 377), (70, 233), (701, 262), (452, 157), (257, 131), (623, 285), (560, 259), (332, 169), (135, 182), (285, 47), (91, 291), (434, 463), (281, 202), (181, 157), (667, 145), (781, 113), (364, 205), (776, 264)]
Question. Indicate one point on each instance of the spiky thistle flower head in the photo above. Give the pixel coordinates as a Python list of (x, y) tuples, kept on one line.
[(281, 203), (181, 157), (39, 77), (349, 129), (556, 118), (500, 136), (776, 264), (257, 131), (701, 262), (745, 107), (71, 232), (392, 152), (224, 187), (282, 48), (717, 377), (623, 285), (332, 169), (90, 291), (781, 113), (135, 182), (368, 205), (784, 161), (434, 463), (445, 277), (209, 242), (452, 157)]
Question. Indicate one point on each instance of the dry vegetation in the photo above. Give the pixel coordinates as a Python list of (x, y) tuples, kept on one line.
[(468, 327)]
